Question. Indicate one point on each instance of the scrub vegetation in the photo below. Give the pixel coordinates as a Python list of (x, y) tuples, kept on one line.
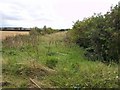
[(86, 56)]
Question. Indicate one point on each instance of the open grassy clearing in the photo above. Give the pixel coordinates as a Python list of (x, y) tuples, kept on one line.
[(51, 61)]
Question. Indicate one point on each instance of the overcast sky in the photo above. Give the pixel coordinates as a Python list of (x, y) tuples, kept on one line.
[(52, 13)]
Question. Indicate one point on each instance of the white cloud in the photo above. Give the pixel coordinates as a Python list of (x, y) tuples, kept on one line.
[(54, 13)]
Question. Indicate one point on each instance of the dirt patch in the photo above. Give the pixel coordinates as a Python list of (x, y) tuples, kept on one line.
[(4, 34)]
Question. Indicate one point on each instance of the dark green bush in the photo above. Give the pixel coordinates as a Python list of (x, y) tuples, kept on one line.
[(99, 35)]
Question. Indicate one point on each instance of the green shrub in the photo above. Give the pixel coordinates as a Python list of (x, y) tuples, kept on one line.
[(42, 31), (99, 33)]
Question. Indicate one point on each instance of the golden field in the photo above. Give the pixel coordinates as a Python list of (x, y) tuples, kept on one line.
[(4, 34)]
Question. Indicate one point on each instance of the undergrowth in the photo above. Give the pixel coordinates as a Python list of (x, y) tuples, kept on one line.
[(53, 62)]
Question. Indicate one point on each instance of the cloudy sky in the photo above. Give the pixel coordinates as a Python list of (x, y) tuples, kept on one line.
[(52, 13)]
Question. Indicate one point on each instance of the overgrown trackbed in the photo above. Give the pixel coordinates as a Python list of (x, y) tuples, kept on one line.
[(51, 61)]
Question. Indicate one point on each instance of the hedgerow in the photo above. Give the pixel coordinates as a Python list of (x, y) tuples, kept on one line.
[(99, 35)]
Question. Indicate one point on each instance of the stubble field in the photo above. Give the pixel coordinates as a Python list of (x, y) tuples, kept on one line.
[(4, 34)]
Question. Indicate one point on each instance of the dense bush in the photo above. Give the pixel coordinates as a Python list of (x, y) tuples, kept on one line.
[(42, 31), (99, 35)]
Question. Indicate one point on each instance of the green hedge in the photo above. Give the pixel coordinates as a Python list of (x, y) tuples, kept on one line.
[(99, 35)]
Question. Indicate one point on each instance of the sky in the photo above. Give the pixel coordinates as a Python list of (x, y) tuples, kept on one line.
[(52, 13)]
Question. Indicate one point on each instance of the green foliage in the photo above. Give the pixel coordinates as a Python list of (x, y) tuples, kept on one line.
[(99, 35), (63, 65), (42, 31), (35, 31), (51, 63)]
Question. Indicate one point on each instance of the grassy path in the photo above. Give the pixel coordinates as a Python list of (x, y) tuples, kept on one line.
[(53, 62)]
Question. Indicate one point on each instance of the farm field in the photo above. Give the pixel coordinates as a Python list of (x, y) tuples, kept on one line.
[(5, 34)]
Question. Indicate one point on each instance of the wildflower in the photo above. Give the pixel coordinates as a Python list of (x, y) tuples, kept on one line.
[(116, 77)]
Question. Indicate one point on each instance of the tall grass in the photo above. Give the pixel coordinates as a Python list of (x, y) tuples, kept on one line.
[(52, 62)]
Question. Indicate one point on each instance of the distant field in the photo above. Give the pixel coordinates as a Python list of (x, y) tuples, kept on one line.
[(4, 34)]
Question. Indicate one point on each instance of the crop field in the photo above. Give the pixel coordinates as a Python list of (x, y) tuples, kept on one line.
[(4, 34)]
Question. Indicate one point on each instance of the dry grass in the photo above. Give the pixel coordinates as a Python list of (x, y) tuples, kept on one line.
[(4, 34), (54, 37)]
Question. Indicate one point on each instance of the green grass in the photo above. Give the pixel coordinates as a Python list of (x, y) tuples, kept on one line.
[(52, 62)]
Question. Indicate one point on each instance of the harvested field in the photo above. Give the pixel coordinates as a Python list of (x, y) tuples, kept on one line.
[(4, 34)]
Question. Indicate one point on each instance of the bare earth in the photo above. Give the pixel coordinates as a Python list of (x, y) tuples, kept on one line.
[(4, 34)]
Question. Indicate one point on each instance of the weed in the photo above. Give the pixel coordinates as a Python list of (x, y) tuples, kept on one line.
[(51, 63)]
